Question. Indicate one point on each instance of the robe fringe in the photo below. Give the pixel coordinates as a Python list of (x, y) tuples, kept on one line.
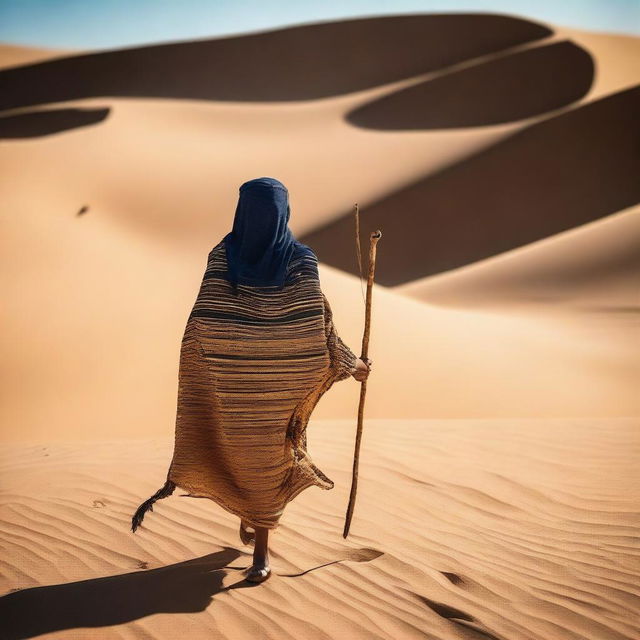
[(168, 488)]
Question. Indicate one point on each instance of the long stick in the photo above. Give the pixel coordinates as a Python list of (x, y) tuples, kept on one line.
[(373, 241)]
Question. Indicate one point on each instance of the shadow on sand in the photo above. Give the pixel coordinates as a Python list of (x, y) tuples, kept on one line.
[(186, 587), (556, 174), (46, 122), (303, 62)]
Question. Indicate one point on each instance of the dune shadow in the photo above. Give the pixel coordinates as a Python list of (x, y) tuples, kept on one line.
[(303, 62), (186, 587), (35, 124), (551, 176), (506, 88), (458, 617)]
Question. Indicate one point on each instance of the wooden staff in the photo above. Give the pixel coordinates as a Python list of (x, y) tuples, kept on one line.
[(373, 241)]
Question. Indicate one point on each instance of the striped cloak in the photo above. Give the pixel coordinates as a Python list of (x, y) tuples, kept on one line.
[(253, 366)]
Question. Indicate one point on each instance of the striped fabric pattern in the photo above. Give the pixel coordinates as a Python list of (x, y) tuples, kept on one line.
[(254, 362)]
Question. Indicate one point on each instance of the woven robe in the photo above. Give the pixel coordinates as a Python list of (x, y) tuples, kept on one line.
[(254, 363)]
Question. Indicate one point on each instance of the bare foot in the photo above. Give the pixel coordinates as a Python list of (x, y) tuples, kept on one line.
[(258, 573)]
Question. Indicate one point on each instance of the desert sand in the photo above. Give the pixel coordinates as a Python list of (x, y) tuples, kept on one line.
[(498, 496), (13, 55), (463, 529)]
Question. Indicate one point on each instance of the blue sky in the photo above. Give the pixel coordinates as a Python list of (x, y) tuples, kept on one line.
[(100, 24)]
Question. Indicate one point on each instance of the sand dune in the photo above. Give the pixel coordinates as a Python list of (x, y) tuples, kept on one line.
[(304, 62), (554, 175), (157, 182), (536, 80), (15, 55), (462, 529), (595, 267), (615, 57), (512, 512)]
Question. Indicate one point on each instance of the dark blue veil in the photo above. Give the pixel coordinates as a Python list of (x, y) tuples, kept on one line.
[(260, 245)]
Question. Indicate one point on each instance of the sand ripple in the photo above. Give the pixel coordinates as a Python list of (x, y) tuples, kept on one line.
[(500, 529)]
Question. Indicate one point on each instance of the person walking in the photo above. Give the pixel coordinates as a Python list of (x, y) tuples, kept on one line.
[(258, 352)]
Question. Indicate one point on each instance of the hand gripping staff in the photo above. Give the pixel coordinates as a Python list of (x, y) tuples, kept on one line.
[(373, 241)]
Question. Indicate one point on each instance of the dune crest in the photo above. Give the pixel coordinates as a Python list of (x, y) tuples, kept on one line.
[(305, 62)]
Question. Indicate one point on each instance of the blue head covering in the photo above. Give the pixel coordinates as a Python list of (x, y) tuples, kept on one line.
[(261, 244)]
